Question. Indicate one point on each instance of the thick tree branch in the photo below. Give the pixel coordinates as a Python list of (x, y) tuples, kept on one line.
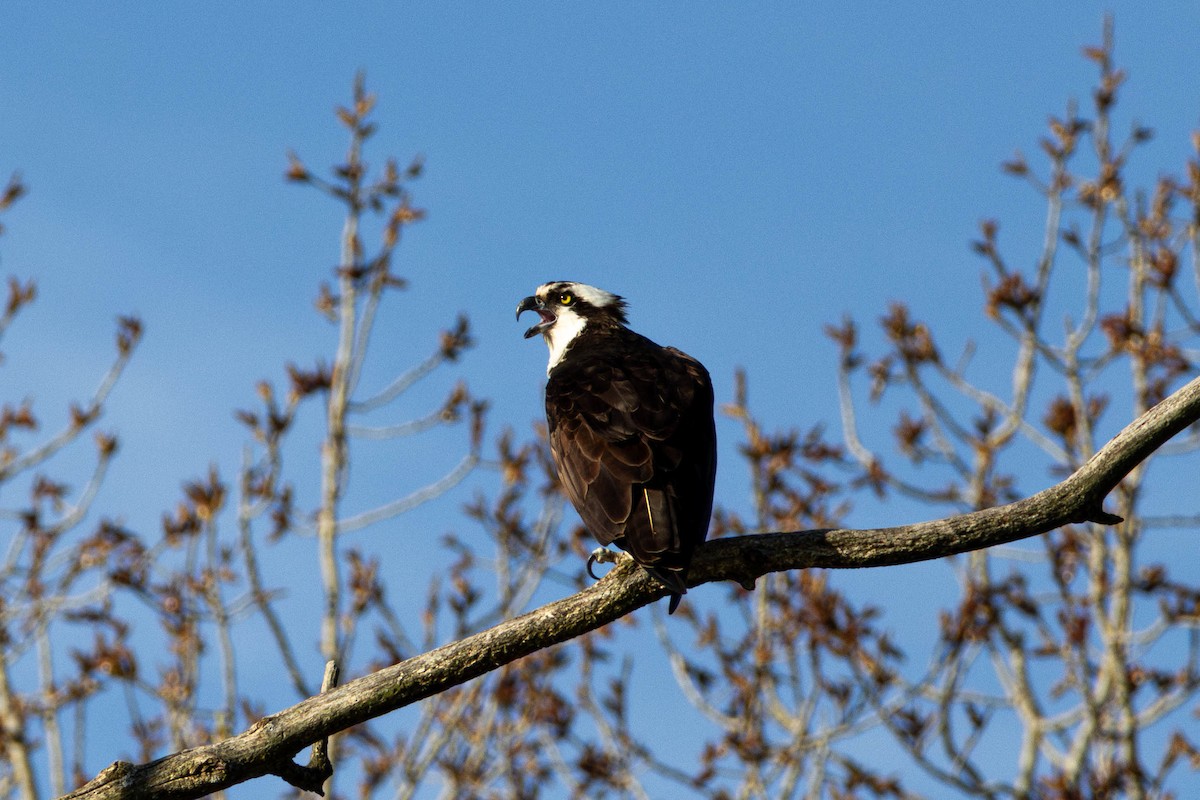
[(265, 745)]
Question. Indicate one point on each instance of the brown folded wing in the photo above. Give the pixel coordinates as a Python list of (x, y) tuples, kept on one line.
[(631, 431)]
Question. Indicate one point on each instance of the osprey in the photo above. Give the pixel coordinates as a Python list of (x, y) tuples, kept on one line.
[(631, 430)]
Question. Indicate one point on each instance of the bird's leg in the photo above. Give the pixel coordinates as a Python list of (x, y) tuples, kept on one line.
[(601, 555)]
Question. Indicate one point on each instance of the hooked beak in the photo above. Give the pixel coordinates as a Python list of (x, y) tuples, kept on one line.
[(532, 303)]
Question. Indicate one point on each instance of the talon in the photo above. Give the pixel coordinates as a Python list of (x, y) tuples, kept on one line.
[(599, 556)]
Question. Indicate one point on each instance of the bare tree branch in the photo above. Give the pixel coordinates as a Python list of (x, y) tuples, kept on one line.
[(264, 746)]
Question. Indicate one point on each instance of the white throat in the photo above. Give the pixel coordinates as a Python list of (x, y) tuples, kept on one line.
[(561, 334)]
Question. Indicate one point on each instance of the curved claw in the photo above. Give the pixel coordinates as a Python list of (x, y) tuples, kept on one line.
[(598, 556)]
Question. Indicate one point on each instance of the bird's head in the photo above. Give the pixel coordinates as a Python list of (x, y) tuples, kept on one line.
[(565, 309)]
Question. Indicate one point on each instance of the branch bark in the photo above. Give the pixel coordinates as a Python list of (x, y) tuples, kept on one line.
[(274, 741)]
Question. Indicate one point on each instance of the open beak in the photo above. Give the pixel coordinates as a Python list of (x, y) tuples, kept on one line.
[(532, 303)]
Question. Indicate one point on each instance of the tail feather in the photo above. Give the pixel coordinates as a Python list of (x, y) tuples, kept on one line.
[(675, 580)]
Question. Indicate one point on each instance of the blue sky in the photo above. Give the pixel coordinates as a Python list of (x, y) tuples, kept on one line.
[(742, 176), (742, 173)]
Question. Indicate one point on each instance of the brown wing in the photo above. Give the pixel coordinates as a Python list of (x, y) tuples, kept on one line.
[(632, 434)]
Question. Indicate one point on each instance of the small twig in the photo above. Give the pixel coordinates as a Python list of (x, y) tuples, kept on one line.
[(312, 777), (83, 419), (398, 386), (411, 501)]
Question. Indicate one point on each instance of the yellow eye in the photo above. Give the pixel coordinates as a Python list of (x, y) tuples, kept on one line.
[(566, 299)]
